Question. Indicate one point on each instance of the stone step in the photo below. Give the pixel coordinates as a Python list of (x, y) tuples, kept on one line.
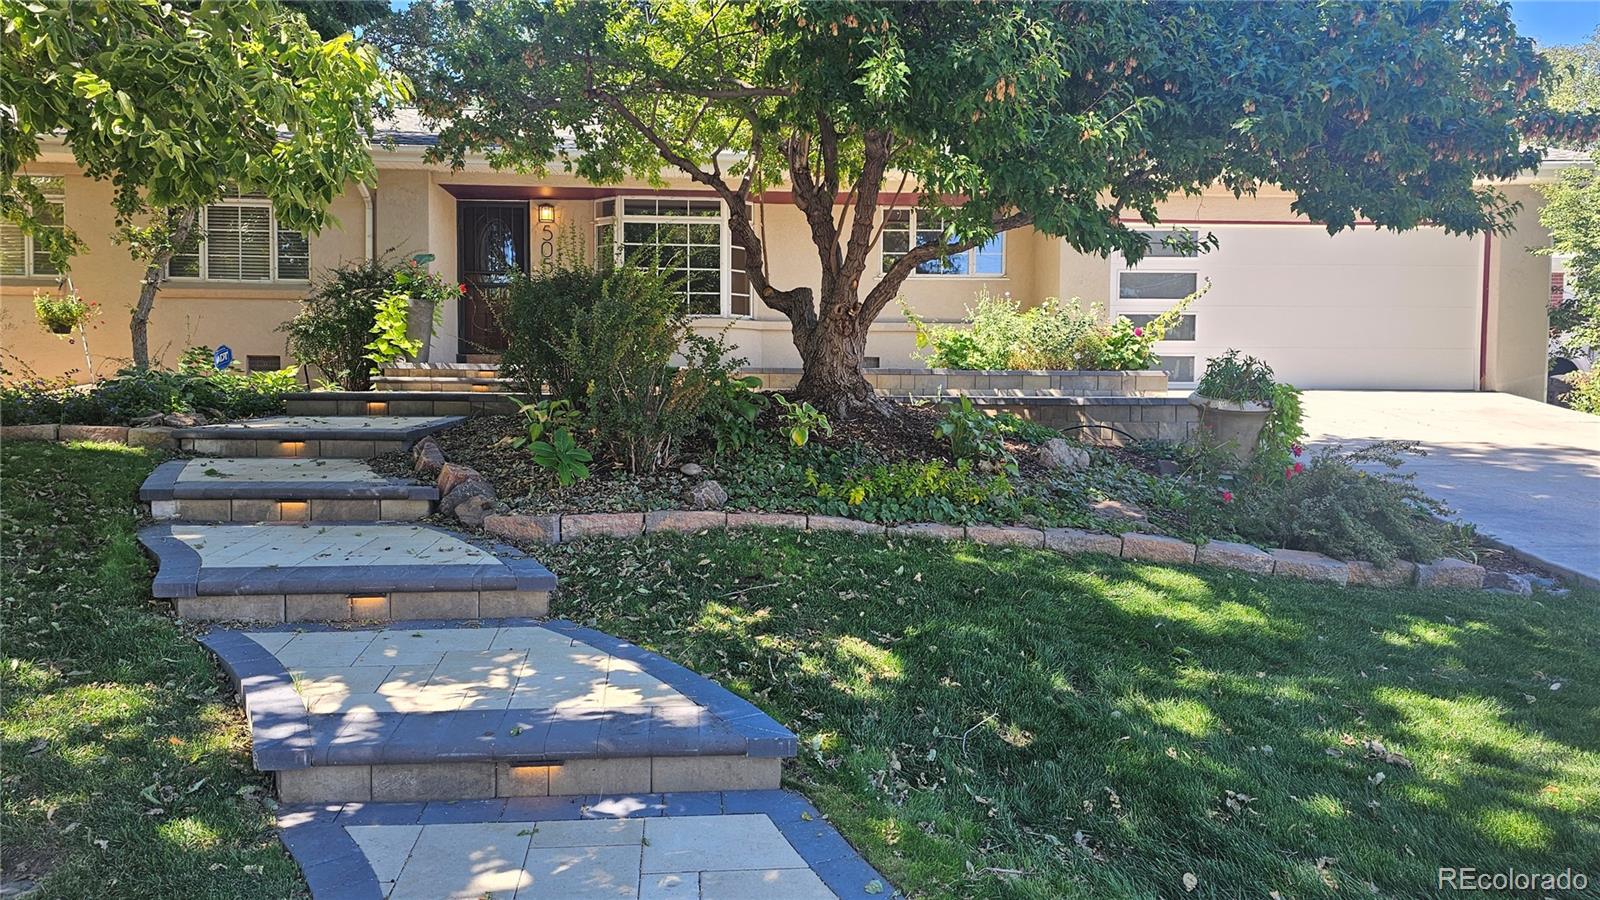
[(401, 403), (306, 437), (229, 489), (287, 572), (706, 845), (442, 710), (441, 383)]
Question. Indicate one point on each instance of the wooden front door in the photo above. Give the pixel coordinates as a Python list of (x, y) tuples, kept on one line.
[(492, 245)]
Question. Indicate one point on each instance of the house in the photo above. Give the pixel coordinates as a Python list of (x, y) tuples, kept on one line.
[(1364, 309)]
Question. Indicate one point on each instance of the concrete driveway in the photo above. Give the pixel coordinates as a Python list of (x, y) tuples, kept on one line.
[(1526, 473)]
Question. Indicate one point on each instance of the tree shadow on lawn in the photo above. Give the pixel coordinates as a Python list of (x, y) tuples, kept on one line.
[(1073, 726), (126, 762)]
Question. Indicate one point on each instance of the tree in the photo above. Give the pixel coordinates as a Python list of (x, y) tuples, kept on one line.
[(1572, 213), (1573, 82), (177, 103), (1063, 116)]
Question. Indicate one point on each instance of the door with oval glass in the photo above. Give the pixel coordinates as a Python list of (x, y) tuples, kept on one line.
[(493, 244)]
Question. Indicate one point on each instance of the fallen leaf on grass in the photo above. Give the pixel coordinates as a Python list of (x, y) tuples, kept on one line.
[(1376, 750), (1190, 882)]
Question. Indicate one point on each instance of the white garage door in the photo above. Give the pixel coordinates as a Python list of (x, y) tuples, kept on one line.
[(1363, 309)]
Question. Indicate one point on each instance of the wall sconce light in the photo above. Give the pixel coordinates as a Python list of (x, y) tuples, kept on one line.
[(547, 212)]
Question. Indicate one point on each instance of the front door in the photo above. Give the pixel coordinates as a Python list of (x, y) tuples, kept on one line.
[(493, 244)]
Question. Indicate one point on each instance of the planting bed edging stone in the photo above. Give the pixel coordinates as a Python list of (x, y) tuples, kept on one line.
[(1301, 564), (154, 436)]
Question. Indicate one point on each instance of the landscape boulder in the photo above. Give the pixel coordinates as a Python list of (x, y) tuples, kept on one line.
[(705, 495), (1061, 455)]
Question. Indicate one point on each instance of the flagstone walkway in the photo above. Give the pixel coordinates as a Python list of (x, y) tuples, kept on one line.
[(431, 736)]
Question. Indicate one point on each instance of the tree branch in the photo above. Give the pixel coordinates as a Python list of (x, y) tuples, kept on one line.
[(885, 290)]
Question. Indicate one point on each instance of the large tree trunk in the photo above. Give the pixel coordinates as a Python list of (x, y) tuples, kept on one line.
[(831, 351), (180, 224)]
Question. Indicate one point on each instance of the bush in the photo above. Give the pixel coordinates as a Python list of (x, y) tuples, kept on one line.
[(1338, 505), (136, 393), (540, 310), (1585, 393), (358, 316)]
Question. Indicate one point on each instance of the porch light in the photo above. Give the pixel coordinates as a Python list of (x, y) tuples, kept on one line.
[(547, 212)]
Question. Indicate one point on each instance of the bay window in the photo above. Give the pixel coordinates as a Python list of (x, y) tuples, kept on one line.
[(686, 238)]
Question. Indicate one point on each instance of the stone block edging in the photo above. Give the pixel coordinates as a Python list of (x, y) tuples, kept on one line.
[(157, 436), (1282, 563)]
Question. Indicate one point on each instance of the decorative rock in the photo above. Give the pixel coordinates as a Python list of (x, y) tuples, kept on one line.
[(1310, 566), (426, 457), (1230, 555), (706, 495), (1156, 548), (1450, 573), (452, 475), (839, 523), (1508, 582), (766, 520), (1396, 574), (525, 529), (1116, 509), (1167, 467), (28, 432), (110, 434), (158, 436), (690, 469), (1006, 535), (1061, 455), (470, 501), (929, 530), (1072, 540), (582, 525), (684, 520)]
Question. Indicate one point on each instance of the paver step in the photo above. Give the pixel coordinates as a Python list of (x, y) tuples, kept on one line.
[(229, 489), (277, 572), (401, 403), (307, 437), (441, 710), (441, 383), (724, 845)]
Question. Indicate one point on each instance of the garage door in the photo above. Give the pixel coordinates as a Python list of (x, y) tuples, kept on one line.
[(1362, 309)]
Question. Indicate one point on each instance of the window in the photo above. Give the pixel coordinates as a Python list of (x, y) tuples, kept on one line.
[(1179, 369), (1160, 248), (688, 239), (1156, 285), (263, 363), (902, 225), (243, 241), (19, 254), (1183, 331)]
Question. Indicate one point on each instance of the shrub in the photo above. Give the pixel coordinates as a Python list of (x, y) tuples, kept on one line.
[(136, 393), (1238, 378), (538, 313), (733, 406), (1585, 393), (1339, 505), (358, 316)]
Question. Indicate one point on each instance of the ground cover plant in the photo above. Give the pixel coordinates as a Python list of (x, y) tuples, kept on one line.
[(127, 771), (987, 722), (138, 393)]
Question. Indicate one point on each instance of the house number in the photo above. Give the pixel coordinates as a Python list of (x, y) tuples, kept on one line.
[(547, 245)]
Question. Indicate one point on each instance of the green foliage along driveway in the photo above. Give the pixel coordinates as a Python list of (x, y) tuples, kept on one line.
[(127, 771), (1008, 723)]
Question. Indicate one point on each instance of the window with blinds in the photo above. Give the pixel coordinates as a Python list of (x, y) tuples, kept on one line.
[(20, 254), (241, 240)]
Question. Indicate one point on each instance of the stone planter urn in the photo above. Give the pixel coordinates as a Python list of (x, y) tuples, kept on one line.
[(1233, 424)]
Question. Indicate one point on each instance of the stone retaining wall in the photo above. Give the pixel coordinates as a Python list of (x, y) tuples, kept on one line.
[(944, 382), (1301, 564), (1104, 421)]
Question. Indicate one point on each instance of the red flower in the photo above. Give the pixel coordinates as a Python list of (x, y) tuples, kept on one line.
[(1298, 468), (1227, 496), (463, 286), (1138, 332), (1288, 473), (1296, 449)]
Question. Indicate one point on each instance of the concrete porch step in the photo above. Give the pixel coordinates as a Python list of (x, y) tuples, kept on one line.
[(478, 710), (288, 572), (304, 437), (401, 403), (705, 845)]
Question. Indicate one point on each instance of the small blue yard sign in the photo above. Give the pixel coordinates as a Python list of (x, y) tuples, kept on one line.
[(223, 357)]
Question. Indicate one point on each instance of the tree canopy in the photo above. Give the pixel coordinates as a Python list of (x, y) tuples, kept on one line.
[(176, 103)]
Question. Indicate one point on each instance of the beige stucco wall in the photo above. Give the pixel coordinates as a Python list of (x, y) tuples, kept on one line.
[(1323, 310)]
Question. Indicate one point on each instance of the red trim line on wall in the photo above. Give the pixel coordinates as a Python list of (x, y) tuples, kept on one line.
[(1483, 326), (549, 192)]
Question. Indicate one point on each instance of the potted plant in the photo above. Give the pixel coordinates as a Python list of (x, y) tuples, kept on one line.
[(1235, 398), (61, 314)]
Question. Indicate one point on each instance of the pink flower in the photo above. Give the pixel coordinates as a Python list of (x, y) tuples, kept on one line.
[(463, 287), (1288, 473), (1297, 449), (1227, 496), (1138, 332), (1298, 468)]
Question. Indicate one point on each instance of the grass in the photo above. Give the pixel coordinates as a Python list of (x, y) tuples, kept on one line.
[(1008, 723), (126, 763)]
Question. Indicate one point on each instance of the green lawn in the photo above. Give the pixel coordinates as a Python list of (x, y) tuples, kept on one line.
[(126, 763), (1011, 723)]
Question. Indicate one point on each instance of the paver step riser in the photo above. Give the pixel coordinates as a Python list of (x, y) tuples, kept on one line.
[(373, 607), (290, 509), (412, 783), (406, 403), (443, 374), (288, 449)]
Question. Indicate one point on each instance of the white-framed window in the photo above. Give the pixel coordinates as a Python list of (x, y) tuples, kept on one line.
[(241, 240), (907, 228), (20, 254), (686, 237), (1166, 275)]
